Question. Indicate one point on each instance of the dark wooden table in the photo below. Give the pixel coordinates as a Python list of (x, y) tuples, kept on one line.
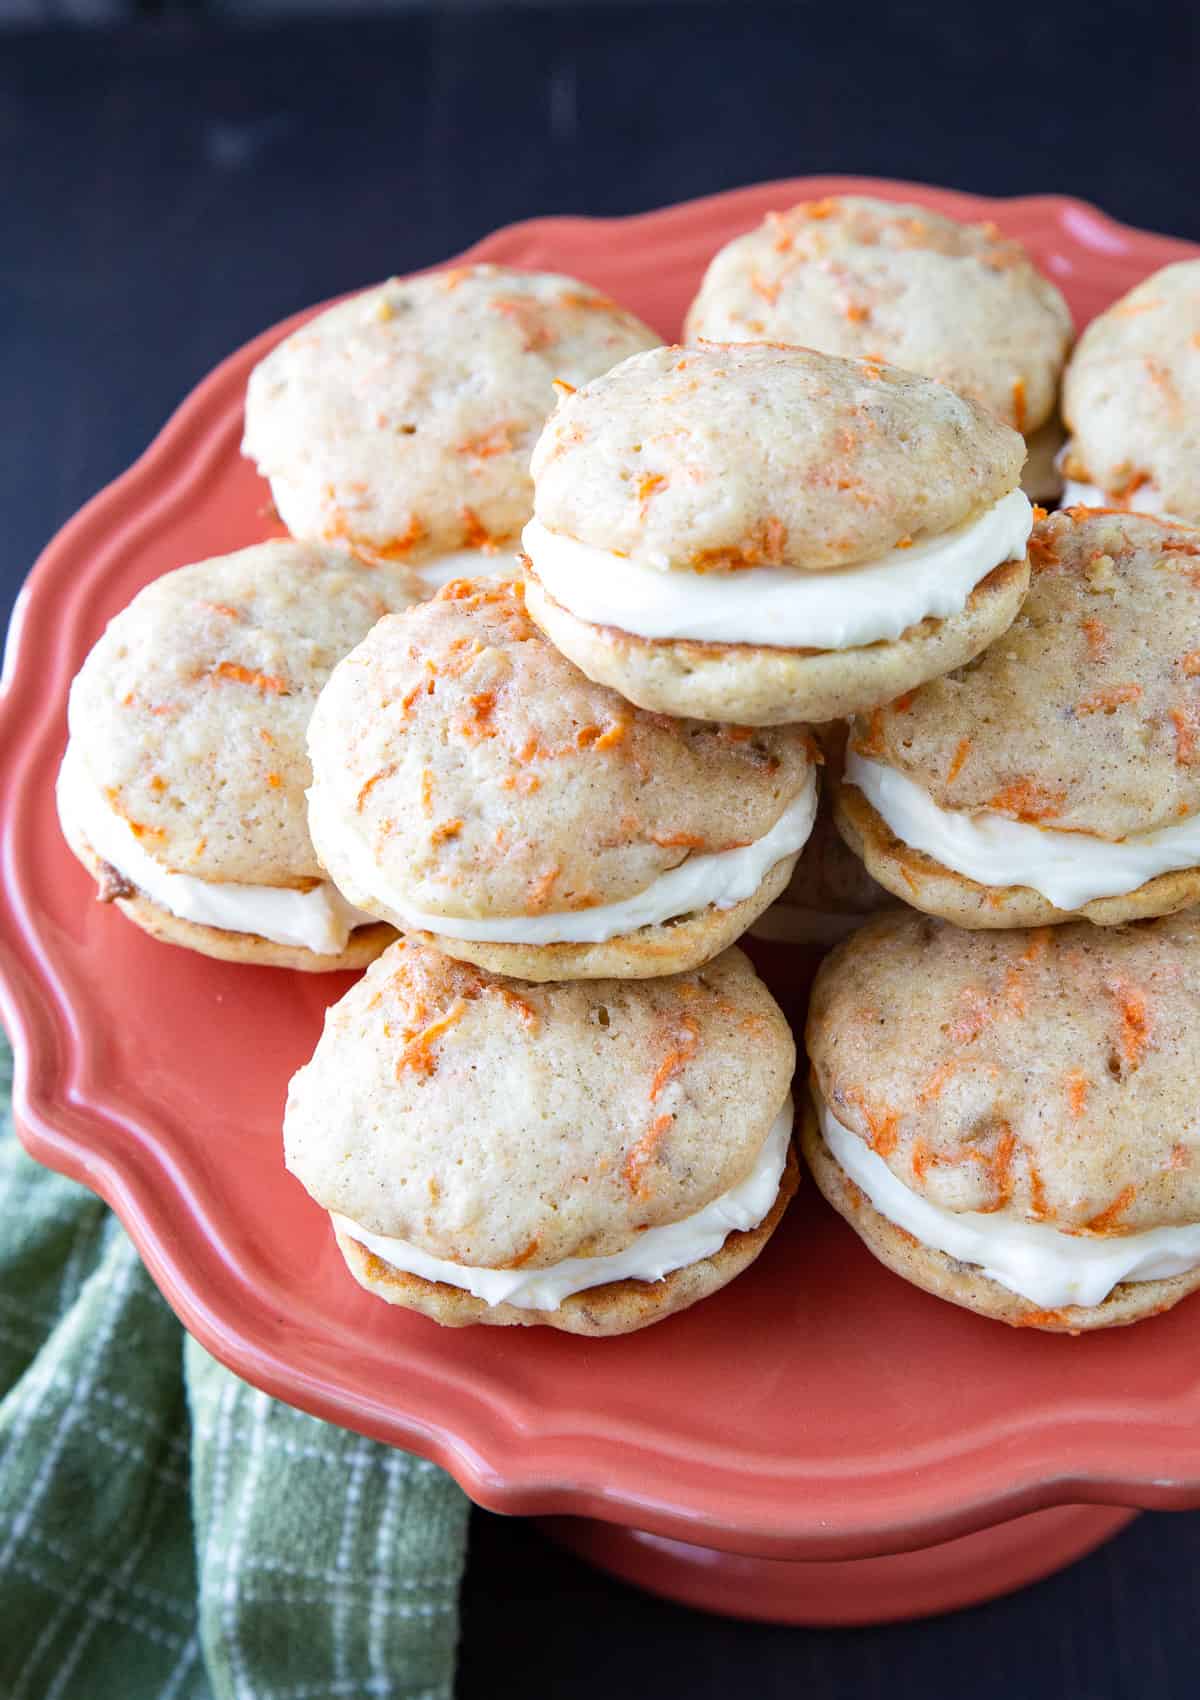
[(167, 191)]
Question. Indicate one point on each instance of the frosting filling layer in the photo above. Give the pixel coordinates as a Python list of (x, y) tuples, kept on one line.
[(781, 607), (653, 1254), (1145, 500), (1068, 869), (1032, 1259), (719, 880), (319, 919)]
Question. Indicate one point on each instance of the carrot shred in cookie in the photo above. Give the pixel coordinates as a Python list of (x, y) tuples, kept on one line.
[(677, 840), (764, 287), (958, 760), (1109, 700), (647, 486), (496, 440), (1184, 719), (1018, 403), (687, 1036), (448, 829), (475, 533), (592, 738), (528, 317), (223, 609), (1042, 1209), (1028, 801), (426, 791), (883, 1125), (1189, 664), (270, 684), (999, 1169), (1097, 635), (525, 1010), (1134, 1018), (935, 1085), (641, 1155), (1077, 1092), (1041, 553), (417, 1053), (1111, 1212), (540, 889)]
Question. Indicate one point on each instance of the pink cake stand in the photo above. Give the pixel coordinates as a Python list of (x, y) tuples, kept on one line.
[(820, 1443)]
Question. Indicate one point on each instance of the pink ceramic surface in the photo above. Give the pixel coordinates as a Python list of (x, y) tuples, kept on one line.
[(819, 1408)]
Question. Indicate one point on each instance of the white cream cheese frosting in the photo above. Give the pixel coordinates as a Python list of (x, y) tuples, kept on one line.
[(319, 919), (463, 563), (1069, 869), (653, 1254), (1040, 1263), (1144, 500), (720, 880), (781, 607)]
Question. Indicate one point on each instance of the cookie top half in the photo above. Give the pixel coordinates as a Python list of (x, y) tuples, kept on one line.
[(399, 423), (500, 1124), (1049, 1076), (893, 282), (1131, 397), (1085, 715), (723, 457), (465, 764), (189, 715)]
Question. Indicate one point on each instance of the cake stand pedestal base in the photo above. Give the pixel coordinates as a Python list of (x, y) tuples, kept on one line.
[(826, 1593)]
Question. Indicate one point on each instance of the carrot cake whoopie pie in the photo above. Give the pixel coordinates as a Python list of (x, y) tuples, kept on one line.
[(888, 281), (1131, 401), (399, 423), (593, 1156), (182, 790), (1059, 773), (764, 534), (472, 786), (1008, 1119)]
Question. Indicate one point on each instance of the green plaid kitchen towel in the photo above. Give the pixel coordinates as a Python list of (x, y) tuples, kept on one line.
[(169, 1533)]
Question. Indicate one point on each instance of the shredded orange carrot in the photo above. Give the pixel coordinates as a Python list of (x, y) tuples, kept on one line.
[(977, 1013), (883, 1125), (417, 1053), (1190, 664), (1109, 700), (540, 889), (647, 486), (481, 723), (365, 790), (1135, 1020), (523, 783), (1097, 635), (496, 440), (525, 1010), (1106, 1217), (764, 287), (339, 528), (1040, 941), (1184, 720), (1077, 1092), (223, 609), (641, 1155), (686, 1038), (999, 1167), (274, 781), (523, 1256), (1028, 801), (921, 1158), (269, 683), (857, 313), (612, 735), (426, 791), (475, 534), (528, 317), (935, 1085), (1014, 991), (904, 703), (1041, 553), (1040, 1319), (1018, 403), (562, 388), (1179, 1157), (448, 829), (958, 760), (1039, 1204), (677, 840)]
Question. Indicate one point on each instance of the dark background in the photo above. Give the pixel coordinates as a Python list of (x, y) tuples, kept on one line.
[(172, 184)]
